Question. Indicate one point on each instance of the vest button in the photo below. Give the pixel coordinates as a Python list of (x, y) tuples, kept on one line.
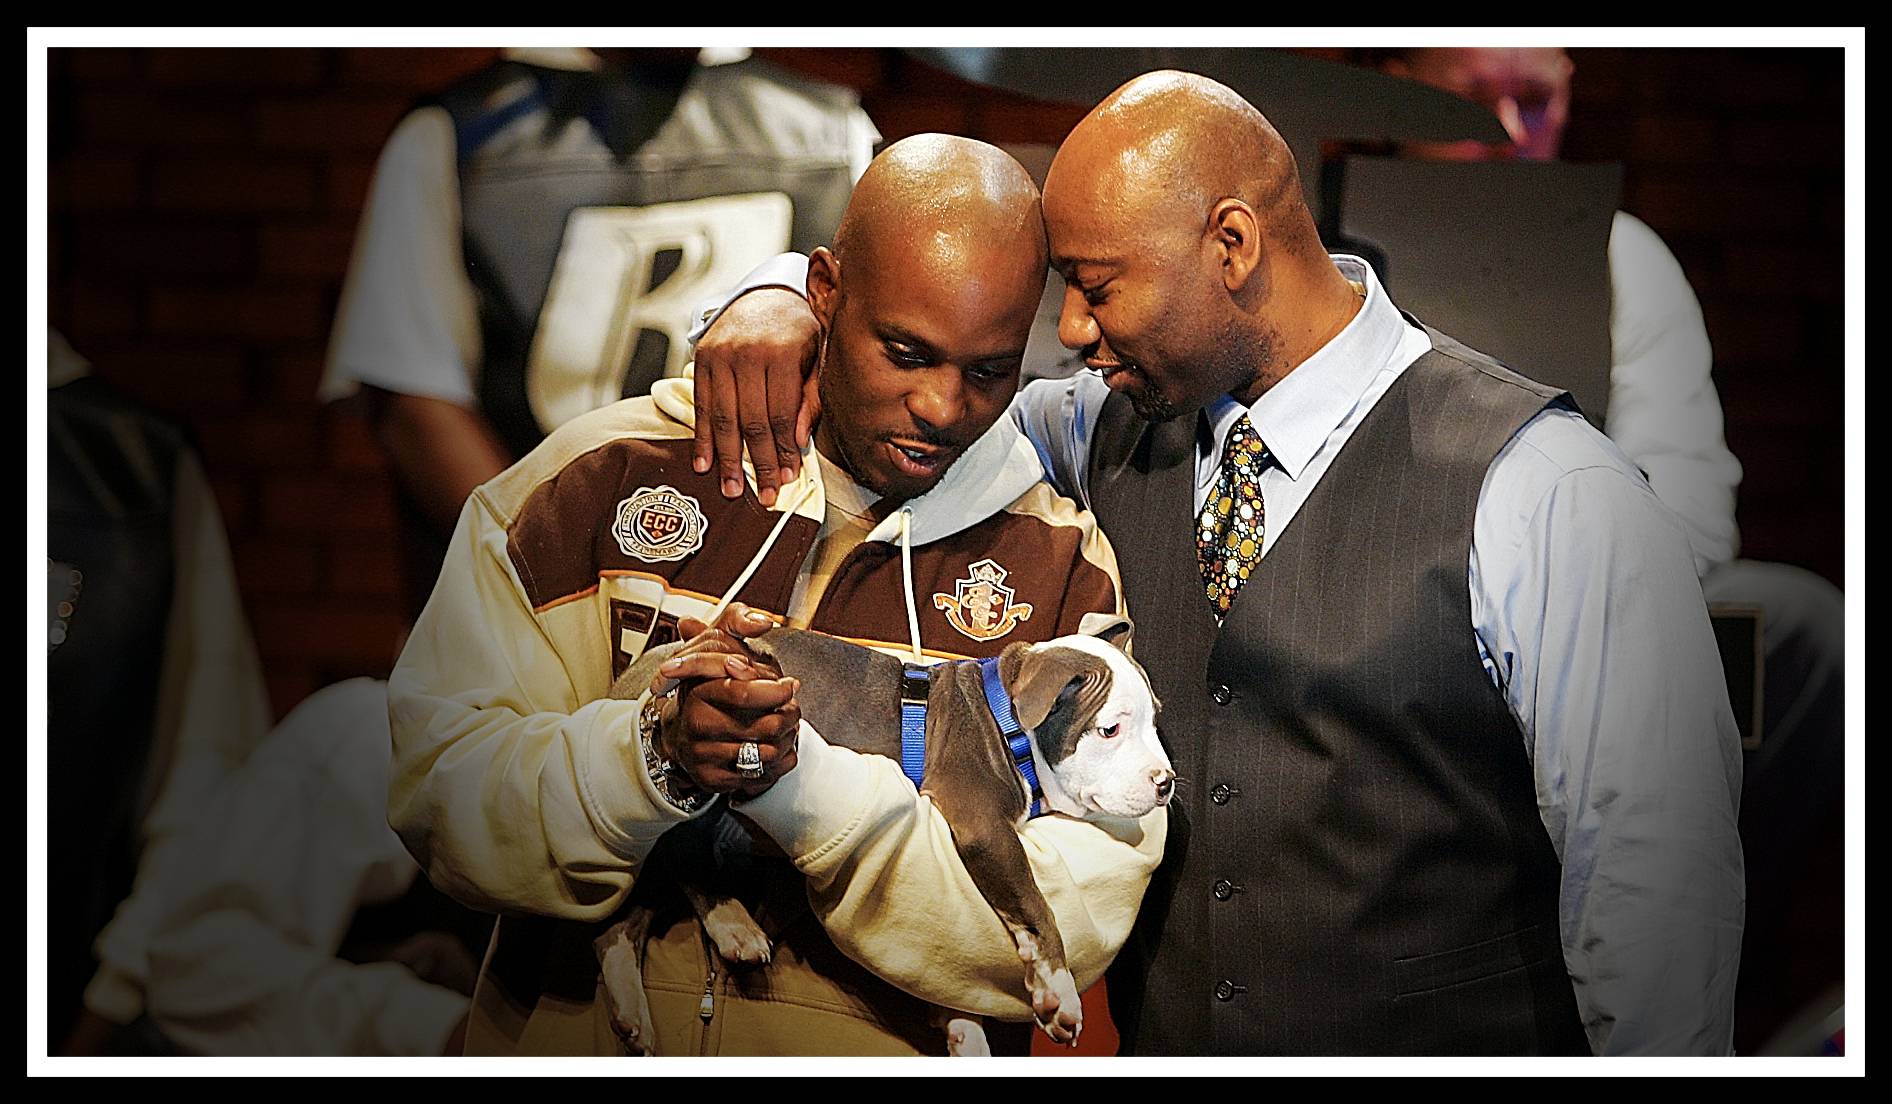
[(1222, 695), (1224, 889), (1225, 990), (1222, 793)]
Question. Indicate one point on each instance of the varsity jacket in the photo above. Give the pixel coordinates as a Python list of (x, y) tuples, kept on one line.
[(522, 790)]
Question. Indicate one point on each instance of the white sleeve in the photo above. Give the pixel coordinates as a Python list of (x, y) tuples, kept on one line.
[(785, 270), (1057, 417), (236, 985), (213, 709), (408, 318), (1663, 411), (212, 712), (515, 786), (1584, 596), (242, 959)]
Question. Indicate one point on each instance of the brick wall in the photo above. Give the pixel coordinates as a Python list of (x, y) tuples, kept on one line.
[(1735, 158), (203, 203)]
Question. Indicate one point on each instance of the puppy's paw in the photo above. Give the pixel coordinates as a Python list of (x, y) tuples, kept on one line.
[(966, 1039), (1054, 999), (632, 1036), (744, 948), (739, 939), (1059, 1009), (626, 1002)]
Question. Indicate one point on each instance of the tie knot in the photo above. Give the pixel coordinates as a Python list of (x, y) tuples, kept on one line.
[(1243, 450)]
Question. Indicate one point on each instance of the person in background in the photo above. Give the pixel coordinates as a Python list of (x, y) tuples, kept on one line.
[(1666, 415), (537, 236), (275, 929), (154, 690), (232, 860)]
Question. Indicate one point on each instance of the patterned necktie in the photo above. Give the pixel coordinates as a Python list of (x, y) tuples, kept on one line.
[(1228, 531)]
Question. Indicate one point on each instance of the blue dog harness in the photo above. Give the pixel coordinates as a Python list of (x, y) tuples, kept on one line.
[(915, 688)]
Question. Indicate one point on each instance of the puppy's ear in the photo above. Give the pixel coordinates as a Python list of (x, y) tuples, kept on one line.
[(1109, 628), (1045, 680)]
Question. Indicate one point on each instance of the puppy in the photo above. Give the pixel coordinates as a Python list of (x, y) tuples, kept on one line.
[(1089, 719)]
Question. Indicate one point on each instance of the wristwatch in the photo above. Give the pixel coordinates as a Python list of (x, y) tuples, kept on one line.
[(671, 783)]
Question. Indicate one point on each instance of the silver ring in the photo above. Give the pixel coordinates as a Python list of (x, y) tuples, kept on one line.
[(749, 760)]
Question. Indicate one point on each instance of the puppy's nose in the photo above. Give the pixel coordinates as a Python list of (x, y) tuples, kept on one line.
[(1165, 784)]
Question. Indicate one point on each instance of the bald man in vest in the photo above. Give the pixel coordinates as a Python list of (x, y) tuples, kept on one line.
[(1432, 654)]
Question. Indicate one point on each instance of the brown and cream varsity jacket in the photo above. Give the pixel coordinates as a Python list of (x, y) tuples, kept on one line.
[(521, 789)]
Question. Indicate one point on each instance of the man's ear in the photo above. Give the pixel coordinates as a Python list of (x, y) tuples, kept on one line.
[(824, 285), (1236, 233)]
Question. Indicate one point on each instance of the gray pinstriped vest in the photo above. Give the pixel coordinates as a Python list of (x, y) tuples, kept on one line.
[(1356, 865)]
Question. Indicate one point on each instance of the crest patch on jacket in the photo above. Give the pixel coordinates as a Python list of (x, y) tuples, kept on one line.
[(659, 524), (981, 605)]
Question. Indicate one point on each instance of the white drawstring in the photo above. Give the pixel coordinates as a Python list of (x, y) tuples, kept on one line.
[(742, 580), (906, 574)]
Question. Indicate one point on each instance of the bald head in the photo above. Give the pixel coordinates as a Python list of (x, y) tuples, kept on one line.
[(1192, 265), (1163, 148), (925, 303), (934, 200)]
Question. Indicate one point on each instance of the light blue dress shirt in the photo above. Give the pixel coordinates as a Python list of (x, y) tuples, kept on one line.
[(1589, 614)]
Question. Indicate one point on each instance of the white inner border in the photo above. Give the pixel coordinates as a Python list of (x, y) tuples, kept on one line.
[(39, 39)]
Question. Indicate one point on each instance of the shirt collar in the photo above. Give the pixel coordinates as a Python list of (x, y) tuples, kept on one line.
[(1297, 415)]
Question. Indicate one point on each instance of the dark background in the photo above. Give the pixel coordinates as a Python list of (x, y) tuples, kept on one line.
[(203, 203)]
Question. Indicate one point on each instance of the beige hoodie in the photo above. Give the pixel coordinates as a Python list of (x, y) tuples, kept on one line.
[(521, 789)]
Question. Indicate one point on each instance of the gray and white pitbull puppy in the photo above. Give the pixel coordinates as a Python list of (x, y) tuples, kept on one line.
[(1091, 718)]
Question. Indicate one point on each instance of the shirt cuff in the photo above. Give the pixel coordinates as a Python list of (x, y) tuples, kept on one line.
[(813, 809), (621, 800), (784, 270)]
